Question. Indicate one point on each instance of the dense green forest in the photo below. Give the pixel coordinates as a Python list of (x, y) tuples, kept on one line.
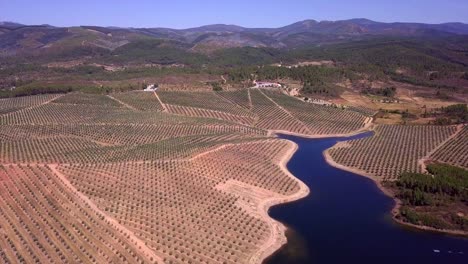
[(413, 61), (425, 62), (389, 54), (316, 79), (154, 51), (434, 199), (386, 91), (450, 115)]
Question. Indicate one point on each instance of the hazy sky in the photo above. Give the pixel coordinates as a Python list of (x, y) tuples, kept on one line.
[(249, 13)]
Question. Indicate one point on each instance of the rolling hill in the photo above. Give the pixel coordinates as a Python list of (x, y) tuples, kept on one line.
[(18, 39)]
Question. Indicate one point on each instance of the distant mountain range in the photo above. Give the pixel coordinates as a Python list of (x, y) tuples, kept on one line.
[(27, 39)]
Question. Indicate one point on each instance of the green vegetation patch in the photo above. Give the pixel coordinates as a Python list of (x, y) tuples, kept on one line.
[(438, 199), (319, 80), (386, 91), (452, 114), (157, 51)]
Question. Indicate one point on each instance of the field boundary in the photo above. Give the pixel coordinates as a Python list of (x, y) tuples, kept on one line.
[(122, 103), (422, 161), (284, 110), (133, 239), (211, 111), (33, 106)]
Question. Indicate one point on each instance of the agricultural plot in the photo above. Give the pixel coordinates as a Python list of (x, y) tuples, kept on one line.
[(45, 150), (320, 120), (42, 221), (203, 100), (172, 148), (199, 112), (239, 97), (87, 99), (112, 184), (90, 114), (9, 105), (454, 151), (55, 114), (235, 160), (272, 117), (144, 101), (177, 208), (133, 117), (121, 181), (392, 150), (362, 110), (122, 134), (110, 143)]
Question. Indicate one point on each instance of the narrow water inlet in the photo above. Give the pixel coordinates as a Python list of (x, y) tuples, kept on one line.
[(346, 219)]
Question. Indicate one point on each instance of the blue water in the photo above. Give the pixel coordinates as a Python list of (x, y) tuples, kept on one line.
[(346, 219)]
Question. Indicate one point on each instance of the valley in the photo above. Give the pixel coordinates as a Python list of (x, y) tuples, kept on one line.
[(145, 164), (207, 144)]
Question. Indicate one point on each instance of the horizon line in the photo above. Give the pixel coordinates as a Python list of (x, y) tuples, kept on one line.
[(238, 25)]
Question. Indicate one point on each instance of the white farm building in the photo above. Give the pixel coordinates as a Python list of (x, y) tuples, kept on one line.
[(151, 88), (267, 84)]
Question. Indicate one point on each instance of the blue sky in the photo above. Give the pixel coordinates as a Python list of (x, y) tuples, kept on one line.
[(249, 13)]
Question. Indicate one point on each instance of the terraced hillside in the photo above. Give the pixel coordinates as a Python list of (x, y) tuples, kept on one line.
[(182, 208), (392, 150), (320, 120), (134, 183), (87, 99), (272, 117), (173, 177), (15, 104), (455, 150), (144, 101), (205, 104), (44, 221), (239, 97)]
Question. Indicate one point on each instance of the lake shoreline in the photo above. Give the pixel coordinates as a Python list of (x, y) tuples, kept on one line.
[(278, 238), (317, 136), (395, 212)]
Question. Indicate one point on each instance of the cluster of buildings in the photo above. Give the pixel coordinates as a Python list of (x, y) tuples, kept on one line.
[(267, 85)]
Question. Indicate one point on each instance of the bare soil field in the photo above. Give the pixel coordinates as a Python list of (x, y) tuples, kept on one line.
[(409, 98)]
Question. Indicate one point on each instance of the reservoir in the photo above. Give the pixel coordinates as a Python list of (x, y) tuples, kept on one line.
[(346, 219)]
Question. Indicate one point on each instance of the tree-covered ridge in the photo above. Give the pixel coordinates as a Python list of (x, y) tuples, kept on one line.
[(430, 62), (452, 114), (389, 54), (155, 51), (315, 79), (425, 62)]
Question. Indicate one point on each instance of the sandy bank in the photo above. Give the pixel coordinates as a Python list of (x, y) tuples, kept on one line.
[(284, 132), (368, 126), (278, 237)]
